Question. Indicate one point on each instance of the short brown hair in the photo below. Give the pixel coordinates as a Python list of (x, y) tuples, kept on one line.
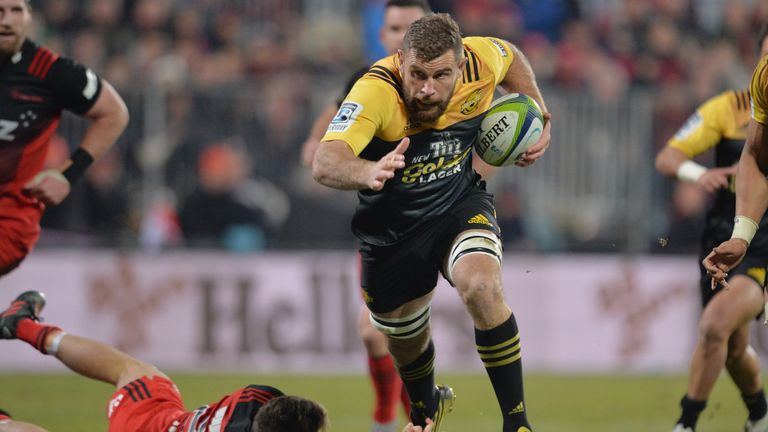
[(432, 36), (290, 414), (422, 4)]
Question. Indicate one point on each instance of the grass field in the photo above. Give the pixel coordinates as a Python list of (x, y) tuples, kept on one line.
[(66, 403)]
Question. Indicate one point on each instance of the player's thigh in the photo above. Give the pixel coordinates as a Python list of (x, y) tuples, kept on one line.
[(730, 308), (395, 277)]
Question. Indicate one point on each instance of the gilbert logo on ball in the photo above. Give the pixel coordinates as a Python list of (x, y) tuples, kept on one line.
[(512, 124)]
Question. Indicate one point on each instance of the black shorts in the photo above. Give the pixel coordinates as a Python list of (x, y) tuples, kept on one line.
[(753, 266), (395, 274)]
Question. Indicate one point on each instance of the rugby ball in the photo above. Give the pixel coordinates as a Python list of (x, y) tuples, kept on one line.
[(512, 124)]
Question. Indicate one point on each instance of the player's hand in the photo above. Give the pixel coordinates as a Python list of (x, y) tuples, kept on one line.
[(384, 169), (539, 147), (723, 258), (716, 178), (49, 186), (411, 428)]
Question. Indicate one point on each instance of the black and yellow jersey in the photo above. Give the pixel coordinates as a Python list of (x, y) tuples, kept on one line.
[(758, 88), (719, 123), (373, 119)]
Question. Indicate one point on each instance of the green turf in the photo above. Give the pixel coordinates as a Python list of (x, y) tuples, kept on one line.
[(65, 403)]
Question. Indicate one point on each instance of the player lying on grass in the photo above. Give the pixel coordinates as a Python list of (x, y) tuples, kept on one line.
[(146, 399)]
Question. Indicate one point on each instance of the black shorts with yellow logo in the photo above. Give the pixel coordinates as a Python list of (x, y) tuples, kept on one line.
[(395, 274), (717, 230)]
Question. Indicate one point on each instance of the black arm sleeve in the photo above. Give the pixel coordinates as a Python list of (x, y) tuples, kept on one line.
[(75, 87)]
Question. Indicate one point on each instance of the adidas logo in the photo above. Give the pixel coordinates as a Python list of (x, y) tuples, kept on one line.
[(479, 219), (518, 409)]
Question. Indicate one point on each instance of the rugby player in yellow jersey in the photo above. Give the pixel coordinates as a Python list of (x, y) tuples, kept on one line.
[(403, 139), (723, 340)]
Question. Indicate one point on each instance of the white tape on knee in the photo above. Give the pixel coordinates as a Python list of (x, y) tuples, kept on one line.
[(406, 327), (473, 242)]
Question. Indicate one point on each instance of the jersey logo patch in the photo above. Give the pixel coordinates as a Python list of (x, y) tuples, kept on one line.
[(479, 219), (344, 118), (500, 46)]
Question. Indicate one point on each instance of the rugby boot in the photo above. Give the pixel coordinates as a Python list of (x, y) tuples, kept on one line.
[(679, 428), (446, 398), (27, 305)]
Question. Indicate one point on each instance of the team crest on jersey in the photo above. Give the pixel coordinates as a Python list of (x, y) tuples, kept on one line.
[(344, 118), (471, 102)]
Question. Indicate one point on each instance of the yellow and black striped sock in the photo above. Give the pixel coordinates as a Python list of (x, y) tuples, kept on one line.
[(419, 379), (499, 350)]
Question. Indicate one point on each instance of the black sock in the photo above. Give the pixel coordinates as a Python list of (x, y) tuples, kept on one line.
[(499, 350), (419, 379), (691, 410), (756, 405)]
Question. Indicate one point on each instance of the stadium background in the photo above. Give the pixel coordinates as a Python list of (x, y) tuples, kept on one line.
[(600, 264)]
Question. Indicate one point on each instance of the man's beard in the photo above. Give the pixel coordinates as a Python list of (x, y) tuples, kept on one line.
[(418, 114), (10, 48)]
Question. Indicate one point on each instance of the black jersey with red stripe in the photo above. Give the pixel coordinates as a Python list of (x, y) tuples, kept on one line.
[(233, 413), (36, 84)]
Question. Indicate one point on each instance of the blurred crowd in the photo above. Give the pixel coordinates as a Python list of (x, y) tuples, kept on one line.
[(222, 93)]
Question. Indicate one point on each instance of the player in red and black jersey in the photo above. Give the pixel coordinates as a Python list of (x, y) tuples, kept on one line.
[(36, 85), (146, 399)]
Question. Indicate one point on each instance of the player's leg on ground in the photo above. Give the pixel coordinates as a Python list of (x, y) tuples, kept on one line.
[(725, 314), (386, 382), (414, 355), (477, 277), (86, 357)]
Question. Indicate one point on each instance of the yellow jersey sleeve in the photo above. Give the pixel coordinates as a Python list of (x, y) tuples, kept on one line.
[(704, 129), (366, 110), (494, 54), (758, 89)]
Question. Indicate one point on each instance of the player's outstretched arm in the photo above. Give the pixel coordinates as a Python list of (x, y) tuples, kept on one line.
[(109, 117), (521, 79), (336, 166), (101, 362)]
